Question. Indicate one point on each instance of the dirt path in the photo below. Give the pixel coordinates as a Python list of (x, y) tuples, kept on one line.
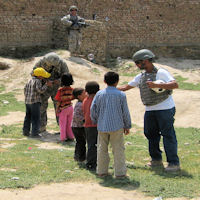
[(187, 104)]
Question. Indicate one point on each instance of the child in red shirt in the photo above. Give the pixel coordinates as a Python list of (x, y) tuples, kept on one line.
[(91, 88)]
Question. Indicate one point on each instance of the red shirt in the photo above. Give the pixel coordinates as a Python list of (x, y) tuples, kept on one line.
[(67, 93), (86, 111)]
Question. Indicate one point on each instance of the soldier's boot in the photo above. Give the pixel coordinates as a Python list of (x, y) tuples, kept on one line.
[(42, 129)]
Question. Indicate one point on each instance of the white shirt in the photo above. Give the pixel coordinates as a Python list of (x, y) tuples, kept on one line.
[(164, 75)]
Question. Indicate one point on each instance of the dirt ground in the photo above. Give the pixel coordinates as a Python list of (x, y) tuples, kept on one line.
[(187, 115)]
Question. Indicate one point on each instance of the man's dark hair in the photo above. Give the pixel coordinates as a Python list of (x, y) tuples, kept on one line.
[(67, 79), (111, 78), (77, 91), (92, 87)]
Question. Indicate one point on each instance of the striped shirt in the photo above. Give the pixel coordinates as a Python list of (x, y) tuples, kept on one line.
[(110, 111), (65, 92), (33, 90)]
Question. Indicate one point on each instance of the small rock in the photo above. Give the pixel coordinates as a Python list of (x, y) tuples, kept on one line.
[(128, 143), (158, 198), (68, 171), (5, 101), (15, 178)]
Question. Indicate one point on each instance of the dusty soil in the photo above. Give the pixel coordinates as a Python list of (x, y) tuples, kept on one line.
[(187, 115)]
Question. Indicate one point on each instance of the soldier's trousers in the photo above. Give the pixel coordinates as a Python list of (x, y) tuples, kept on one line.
[(44, 106), (74, 40)]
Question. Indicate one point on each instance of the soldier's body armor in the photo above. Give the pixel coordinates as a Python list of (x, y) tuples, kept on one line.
[(148, 96)]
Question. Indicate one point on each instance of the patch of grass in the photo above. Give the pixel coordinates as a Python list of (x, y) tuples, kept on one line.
[(132, 74), (11, 131), (124, 83), (37, 166), (159, 183), (185, 85), (9, 103), (95, 70), (2, 88)]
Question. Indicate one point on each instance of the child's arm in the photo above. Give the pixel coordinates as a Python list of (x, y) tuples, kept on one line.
[(94, 111), (41, 88), (126, 115)]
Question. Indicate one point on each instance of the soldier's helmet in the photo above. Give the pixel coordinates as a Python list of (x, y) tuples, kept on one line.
[(143, 54), (52, 59), (73, 8)]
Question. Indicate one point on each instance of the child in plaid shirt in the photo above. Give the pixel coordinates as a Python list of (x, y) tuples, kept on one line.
[(32, 91)]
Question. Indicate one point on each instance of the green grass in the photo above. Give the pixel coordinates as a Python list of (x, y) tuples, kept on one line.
[(2, 88), (185, 85), (37, 166), (95, 70), (9, 103)]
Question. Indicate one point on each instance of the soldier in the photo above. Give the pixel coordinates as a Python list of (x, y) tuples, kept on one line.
[(74, 23), (53, 64), (159, 108)]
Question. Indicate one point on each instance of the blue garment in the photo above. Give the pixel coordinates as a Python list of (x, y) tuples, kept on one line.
[(157, 123), (32, 118), (109, 110)]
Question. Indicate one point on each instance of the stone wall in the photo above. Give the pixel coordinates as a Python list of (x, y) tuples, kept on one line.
[(168, 27)]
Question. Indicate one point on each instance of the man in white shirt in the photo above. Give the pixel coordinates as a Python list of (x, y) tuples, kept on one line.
[(159, 108)]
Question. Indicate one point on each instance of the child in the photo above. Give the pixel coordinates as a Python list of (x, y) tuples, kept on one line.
[(91, 88), (32, 92), (110, 111), (64, 108), (77, 126)]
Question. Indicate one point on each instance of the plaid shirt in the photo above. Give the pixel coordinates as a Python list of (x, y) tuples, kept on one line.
[(33, 90)]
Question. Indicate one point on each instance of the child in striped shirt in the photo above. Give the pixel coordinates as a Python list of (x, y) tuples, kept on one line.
[(64, 108)]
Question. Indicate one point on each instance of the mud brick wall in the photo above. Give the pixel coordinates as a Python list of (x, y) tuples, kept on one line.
[(171, 28), (94, 39)]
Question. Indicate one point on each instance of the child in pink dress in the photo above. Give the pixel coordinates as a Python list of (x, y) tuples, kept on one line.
[(64, 108)]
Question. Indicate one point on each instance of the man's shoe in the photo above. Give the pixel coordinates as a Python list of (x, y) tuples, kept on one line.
[(155, 163), (122, 177), (172, 168), (103, 175)]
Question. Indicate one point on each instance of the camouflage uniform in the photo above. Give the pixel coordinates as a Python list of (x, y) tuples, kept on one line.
[(74, 30), (57, 67)]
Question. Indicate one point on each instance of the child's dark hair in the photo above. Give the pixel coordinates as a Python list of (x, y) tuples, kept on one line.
[(67, 79), (111, 78), (77, 91), (92, 87)]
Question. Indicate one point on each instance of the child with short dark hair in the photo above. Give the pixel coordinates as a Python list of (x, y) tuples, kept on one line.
[(32, 92), (109, 110), (77, 125), (64, 108), (91, 88)]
